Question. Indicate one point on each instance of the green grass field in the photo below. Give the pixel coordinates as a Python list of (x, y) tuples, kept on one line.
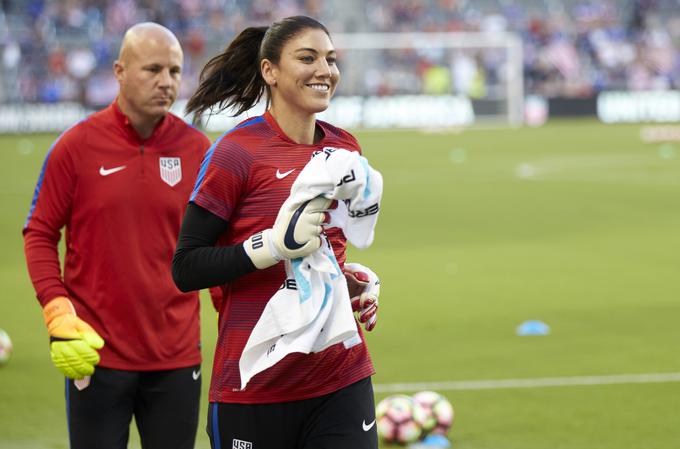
[(575, 223)]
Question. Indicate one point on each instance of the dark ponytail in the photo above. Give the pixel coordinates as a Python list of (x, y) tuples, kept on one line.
[(233, 78)]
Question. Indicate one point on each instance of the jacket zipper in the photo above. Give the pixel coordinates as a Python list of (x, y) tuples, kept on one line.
[(141, 154)]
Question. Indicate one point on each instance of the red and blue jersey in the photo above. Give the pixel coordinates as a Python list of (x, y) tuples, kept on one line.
[(245, 178), (121, 200)]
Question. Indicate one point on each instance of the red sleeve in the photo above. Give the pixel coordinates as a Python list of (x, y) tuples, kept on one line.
[(222, 178), (354, 140), (216, 296), (49, 212)]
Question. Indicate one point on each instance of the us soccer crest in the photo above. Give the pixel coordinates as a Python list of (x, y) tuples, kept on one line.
[(171, 170)]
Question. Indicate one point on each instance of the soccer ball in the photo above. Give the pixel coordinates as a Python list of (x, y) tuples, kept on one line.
[(400, 419), (439, 412), (5, 347)]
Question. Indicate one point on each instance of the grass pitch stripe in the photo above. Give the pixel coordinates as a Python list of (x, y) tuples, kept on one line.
[(529, 383)]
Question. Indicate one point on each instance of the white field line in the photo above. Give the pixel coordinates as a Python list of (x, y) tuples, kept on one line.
[(529, 383), (635, 169)]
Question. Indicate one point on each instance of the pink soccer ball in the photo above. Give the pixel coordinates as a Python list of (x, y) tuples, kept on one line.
[(5, 347), (439, 412), (399, 419)]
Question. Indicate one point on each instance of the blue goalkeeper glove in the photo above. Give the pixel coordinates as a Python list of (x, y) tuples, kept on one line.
[(296, 233), (364, 290), (73, 342)]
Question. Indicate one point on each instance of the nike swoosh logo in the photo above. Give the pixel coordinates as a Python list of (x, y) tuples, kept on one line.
[(109, 171), (196, 374), (289, 238), (367, 427), (280, 175)]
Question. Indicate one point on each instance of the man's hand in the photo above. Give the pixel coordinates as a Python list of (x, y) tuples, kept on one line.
[(364, 290), (73, 342), (296, 233)]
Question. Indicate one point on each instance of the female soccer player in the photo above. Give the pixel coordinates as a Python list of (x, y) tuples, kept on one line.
[(231, 236)]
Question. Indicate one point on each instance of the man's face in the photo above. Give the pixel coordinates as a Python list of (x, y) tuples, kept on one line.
[(149, 75)]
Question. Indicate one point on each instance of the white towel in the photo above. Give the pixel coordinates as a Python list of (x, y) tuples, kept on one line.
[(312, 311)]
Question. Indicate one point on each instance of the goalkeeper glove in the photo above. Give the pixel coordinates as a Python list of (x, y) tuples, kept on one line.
[(364, 290), (73, 342), (296, 233)]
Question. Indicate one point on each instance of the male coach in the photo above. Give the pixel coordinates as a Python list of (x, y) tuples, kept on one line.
[(119, 182)]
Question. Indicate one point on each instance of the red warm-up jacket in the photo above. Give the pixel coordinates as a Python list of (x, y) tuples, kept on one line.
[(120, 199)]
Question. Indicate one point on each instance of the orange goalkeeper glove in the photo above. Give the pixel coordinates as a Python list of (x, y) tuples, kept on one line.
[(73, 342)]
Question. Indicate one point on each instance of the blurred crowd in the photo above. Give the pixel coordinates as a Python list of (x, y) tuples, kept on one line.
[(63, 50)]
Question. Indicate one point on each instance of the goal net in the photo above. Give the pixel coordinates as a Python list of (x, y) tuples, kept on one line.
[(437, 78)]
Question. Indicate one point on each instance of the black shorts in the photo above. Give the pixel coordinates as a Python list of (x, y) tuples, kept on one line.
[(165, 405), (344, 419)]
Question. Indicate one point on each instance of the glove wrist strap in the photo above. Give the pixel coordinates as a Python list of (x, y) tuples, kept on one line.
[(261, 251), (57, 307)]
